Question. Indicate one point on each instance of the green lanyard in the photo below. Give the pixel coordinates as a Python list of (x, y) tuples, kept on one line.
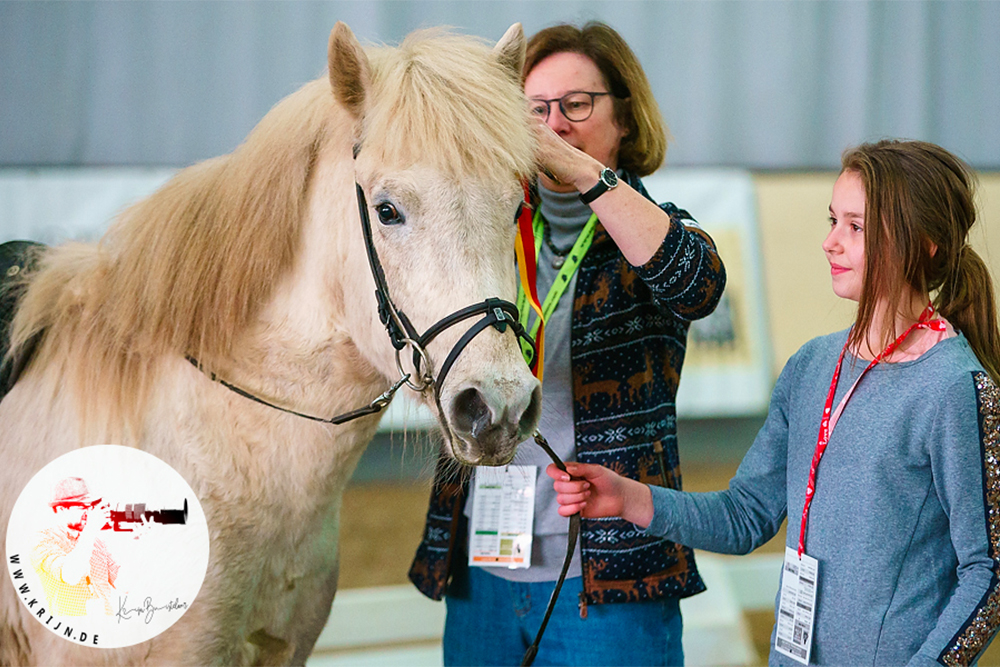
[(576, 255)]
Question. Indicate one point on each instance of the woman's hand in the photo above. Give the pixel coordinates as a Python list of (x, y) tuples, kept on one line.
[(597, 492), (636, 224), (563, 163)]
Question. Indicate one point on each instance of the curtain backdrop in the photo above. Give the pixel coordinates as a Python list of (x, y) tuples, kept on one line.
[(760, 84)]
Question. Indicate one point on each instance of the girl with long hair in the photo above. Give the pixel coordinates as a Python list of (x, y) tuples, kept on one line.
[(893, 548)]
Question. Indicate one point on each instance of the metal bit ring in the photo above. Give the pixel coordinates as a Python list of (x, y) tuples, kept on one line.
[(426, 378)]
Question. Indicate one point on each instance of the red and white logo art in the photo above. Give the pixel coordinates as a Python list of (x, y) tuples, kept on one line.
[(107, 546)]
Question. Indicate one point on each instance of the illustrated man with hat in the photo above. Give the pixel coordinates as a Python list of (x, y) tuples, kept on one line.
[(76, 569)]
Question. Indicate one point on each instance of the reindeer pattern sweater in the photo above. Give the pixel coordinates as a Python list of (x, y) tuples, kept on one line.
[(628, 329)]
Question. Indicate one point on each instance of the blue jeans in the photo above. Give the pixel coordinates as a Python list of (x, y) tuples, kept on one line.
[(492, 621)]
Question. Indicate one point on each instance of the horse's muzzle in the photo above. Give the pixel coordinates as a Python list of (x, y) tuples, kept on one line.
[(489, 424)]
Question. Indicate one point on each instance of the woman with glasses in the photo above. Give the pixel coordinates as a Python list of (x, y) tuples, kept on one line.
[(620, 278)]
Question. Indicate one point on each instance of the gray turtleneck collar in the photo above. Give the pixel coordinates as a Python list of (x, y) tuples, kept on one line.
[(566, 215)]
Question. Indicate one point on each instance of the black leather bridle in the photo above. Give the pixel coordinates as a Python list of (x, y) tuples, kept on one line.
[(497, 313)]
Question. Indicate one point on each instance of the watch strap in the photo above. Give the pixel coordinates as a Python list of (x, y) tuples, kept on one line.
[(606, 181)]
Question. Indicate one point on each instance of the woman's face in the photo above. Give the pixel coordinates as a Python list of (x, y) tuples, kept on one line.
[(845, 244), (599, 136)]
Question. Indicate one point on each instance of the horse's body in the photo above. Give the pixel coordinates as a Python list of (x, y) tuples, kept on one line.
[(254, 263)]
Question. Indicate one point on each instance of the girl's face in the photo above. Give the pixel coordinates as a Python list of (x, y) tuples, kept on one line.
[(845, 244)]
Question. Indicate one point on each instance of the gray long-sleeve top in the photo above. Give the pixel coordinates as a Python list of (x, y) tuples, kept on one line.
[(900, 523)]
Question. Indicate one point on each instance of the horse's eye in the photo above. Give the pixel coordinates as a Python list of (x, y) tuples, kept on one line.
[(388, 215)]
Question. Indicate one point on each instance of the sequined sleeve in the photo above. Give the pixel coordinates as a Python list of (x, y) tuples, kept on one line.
[(977, 625)]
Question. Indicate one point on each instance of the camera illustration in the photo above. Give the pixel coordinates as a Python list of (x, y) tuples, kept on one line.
[(135, 512)]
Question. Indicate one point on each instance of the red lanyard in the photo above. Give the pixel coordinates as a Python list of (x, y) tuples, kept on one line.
[(526, 255), (924, 322)]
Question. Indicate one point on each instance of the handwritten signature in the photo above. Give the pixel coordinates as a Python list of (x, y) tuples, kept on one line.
[(146, 610)]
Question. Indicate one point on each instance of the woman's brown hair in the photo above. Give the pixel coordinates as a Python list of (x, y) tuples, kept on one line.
[(919, 208), (645, 142)]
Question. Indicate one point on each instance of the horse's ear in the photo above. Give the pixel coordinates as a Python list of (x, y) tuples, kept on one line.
[(350, 73), (510, 50)]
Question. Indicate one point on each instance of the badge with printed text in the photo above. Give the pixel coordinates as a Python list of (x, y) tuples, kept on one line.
[(502, 517), (797, 606), (107, 546)]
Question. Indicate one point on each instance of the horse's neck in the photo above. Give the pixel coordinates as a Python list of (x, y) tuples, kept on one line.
[(320, 329), (305, 350)]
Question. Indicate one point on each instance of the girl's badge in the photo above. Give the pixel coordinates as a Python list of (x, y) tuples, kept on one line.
[(797, 606)]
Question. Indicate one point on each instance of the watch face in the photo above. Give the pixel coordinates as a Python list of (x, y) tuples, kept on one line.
[(609, 177)]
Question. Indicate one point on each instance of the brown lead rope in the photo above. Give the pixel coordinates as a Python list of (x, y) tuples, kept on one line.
[(574, 533)]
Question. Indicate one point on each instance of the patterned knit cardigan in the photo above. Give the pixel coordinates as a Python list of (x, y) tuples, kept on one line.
[(628, 337)]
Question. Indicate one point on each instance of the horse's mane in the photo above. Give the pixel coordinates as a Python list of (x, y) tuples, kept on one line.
[(445, 100), (182, 271), (185, 271)]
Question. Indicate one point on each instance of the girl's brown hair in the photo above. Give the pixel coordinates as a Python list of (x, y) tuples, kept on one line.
[(919, 208), (645, 143)]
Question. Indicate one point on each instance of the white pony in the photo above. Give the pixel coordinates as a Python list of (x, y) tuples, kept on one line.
[(254, 264)]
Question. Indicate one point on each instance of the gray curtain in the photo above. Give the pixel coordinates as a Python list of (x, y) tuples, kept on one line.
[(761, 84)]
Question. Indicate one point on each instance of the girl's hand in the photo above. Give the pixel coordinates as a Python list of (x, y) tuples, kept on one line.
[(598, 492)]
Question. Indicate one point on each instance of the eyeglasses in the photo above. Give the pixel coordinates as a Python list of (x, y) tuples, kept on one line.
[(576, 106)]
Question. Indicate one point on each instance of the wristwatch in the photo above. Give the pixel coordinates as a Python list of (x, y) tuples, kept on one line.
[(608, 180)]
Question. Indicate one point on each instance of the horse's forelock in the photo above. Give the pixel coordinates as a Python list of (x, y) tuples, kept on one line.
[(447, 101)]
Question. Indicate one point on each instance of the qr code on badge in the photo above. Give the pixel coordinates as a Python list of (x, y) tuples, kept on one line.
[(801, 634)]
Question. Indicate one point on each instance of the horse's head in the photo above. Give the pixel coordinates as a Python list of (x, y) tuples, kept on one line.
[(442, 143)]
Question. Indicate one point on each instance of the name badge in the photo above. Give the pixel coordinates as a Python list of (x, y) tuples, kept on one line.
[(797, 606), (502, 517)]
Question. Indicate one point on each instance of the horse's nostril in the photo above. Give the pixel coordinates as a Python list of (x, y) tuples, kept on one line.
[(470, 413), (529, 418)]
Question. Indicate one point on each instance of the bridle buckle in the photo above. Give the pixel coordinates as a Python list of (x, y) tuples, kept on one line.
[(501, 323)]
